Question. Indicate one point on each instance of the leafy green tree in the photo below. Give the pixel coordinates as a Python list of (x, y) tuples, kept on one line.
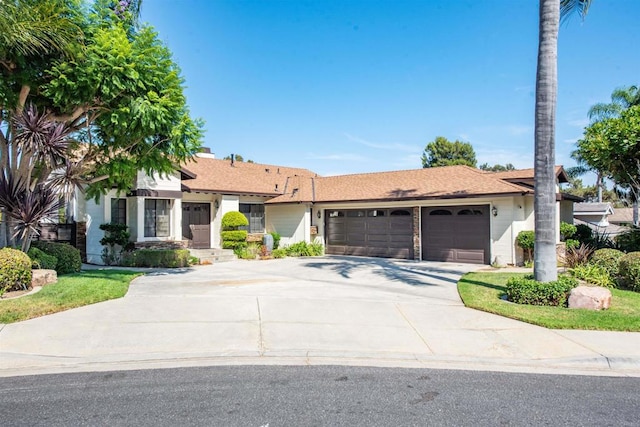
[(237, 158), (87, 96), (442, 152), (497, 168), (545, 264), (621, 99), (592, 193), (613, 146)]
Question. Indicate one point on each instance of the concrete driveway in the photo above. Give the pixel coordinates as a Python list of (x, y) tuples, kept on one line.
[(327, 310)]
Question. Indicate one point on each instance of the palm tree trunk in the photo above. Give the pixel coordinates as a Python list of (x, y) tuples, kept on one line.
[(545, 264)]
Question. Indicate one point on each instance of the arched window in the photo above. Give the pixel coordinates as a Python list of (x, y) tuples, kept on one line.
[(441, 212), (400, 212)]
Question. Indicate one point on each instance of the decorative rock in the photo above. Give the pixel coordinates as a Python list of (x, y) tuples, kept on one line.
[(590, 297), (43, 277)]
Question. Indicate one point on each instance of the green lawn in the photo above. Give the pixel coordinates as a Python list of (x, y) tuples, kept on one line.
[(73, 290), (482, 291)]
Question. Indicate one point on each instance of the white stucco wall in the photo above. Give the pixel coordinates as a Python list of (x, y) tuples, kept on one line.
[(95, 215), (155, 182), (291, 221)]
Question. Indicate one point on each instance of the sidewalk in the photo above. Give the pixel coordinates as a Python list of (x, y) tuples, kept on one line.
[(308, 311)]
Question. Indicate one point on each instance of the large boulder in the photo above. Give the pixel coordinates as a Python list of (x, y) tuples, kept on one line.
[(590, 297), (43, 277)]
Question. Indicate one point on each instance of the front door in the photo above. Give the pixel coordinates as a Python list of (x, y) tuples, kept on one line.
[(196, 224)]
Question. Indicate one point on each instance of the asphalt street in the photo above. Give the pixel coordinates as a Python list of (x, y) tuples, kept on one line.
[(317, 396)]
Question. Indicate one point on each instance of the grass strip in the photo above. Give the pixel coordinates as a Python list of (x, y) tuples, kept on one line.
[(71, 291), (483, 291)]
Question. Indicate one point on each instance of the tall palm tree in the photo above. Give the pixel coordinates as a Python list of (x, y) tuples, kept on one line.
[(545, 265)]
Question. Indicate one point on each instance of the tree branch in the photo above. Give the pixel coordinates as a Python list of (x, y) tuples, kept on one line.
[(22, 98)]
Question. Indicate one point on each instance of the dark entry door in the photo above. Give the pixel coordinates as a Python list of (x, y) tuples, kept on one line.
[(196, 224), (456, 234)]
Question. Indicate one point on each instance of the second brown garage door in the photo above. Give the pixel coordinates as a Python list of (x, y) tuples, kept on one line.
[(386, 233), (456, 234)]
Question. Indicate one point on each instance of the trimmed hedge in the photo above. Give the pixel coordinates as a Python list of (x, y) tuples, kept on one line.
[(69, 259), (40, 260), (629, 271), (526, 290), (609, 259), (234, 219), (15, 270), (164, 258)]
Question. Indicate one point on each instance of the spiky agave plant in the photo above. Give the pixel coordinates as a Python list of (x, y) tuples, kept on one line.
[(25, 210)]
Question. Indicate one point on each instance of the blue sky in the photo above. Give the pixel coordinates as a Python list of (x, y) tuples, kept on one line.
[(362, 86)]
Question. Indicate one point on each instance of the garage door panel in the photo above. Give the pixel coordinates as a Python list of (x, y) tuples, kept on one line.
[(470, 256), (456, 233), (371, 232)]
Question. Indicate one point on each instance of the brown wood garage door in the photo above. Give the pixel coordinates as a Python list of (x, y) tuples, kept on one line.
[(456, 234), (386, 233)]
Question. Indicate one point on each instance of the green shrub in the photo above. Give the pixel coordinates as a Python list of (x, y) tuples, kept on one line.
[(41, 260), (526, 240), (69, 260), (115, 240), (526, 290), (249, 251), (572, 243), (567, 230), (276, 239), (234, 239), (629, 271), (159, 258), (234, 235), (234, 219), (279, 253), (594, 274), (629, 241), (15, 270), (305, 249), (583, 233), (609, 259)]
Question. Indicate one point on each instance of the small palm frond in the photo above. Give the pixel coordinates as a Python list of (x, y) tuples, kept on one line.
[(33, 28), (568, 7)]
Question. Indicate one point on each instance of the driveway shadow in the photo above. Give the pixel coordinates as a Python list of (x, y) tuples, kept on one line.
[(408, 272)]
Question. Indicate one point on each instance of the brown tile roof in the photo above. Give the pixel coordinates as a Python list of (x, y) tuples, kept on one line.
[(441, 182), (219, 176)]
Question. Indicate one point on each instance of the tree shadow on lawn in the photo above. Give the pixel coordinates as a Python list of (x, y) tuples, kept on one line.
[(484, 284), (411, 273)]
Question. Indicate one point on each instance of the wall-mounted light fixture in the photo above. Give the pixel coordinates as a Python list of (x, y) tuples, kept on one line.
[(216, 204), (318, 214), (494, 211)]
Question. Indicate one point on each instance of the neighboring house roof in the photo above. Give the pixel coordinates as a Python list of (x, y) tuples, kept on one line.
[(222, 176), (611, 229), (429, 183), (580, 209), (621, 216), (528, 174)]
